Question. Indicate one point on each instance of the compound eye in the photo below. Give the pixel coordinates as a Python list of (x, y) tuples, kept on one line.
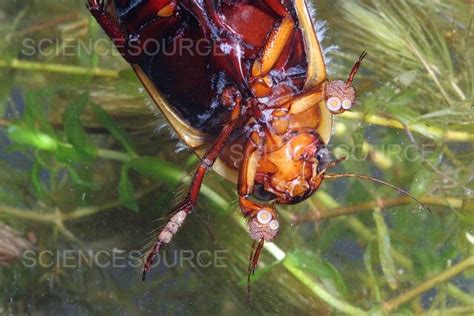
[(346, 104), (324, 158), (274, 224), (334, 104), (264, 217)]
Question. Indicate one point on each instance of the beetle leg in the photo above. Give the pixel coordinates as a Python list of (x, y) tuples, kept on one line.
[(250, 209), (276, 42), (248, 170), (129, 45), (259, 215), (274, 46), (277, 7), (99, 9), (170, 229), (253, 260), (305, 101)]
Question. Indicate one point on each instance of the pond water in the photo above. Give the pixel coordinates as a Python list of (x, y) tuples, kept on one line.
[(89, 171)]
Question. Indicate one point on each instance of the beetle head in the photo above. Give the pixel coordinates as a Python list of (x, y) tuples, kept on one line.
[(340, 95), (296, 170)]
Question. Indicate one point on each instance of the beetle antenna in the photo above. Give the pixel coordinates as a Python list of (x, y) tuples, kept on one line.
[(364, 177), (330, 165), (355, 68)]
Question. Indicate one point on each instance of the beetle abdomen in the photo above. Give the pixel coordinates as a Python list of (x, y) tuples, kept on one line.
[(190, 68)]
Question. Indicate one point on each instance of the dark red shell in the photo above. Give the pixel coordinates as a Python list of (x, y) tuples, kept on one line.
[(189, 68)]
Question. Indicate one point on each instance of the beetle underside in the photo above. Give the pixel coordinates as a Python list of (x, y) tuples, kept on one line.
[(248, 75)]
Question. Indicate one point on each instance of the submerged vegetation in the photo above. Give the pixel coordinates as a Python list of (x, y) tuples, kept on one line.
[(85, 167)]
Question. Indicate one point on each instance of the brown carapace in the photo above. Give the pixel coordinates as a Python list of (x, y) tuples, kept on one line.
[(247, 77)]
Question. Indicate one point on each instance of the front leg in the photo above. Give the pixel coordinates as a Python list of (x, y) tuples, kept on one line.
[(263, 225), (132, 45), (275, 44), (99, 9)]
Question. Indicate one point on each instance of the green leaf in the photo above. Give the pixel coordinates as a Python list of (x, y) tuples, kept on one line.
[(385, 249), (156, 168), (422, 181), (321, 269), (114, 129), (358, 138), (72, 126), (126, 192), (368, 265), (37, 182), (33, 138), (34, 116), (128, 74), (67, 154), (83, 183)]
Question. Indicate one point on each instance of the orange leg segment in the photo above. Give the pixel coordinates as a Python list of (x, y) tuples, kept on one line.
[(248, 170), (258, 215), (276, 42)]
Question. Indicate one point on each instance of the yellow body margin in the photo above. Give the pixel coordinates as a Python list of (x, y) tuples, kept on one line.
[(316, 73)]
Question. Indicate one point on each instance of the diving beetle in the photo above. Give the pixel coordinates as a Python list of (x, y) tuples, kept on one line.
[(240, 76)]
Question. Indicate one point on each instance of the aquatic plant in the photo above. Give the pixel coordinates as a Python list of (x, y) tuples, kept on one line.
[(85, 167)]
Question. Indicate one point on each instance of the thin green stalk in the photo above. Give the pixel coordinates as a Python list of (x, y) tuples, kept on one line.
[(427, 131), (455, 311), (442, 277), (385, 249), (101, 153), (360, 229), (430, 71), (93, 210), (58, 68), (113, 155), (459, 295), (27, 214)]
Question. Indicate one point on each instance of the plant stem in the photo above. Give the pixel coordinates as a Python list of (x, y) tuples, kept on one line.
[(459, 295), (318, 215), (430, 71), (93, 210), (58, 68), (113, 155), (30, 215), (455, 311), (321, 292), (427, 131), (44, 25), (4, 123), (444, 276), (360, 229), (101, 153)]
